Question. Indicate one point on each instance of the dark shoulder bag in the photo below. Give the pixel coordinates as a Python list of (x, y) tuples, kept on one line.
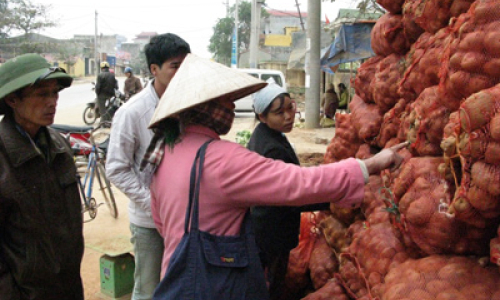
[(210, 267)]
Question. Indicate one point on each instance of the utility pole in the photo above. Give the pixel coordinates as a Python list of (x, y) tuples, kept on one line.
[(313, 74), (300, 16), (227, 8), (255, 33), (236, 47), (95, 47)]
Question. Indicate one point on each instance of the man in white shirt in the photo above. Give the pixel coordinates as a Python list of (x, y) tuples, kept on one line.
[(130, 138)]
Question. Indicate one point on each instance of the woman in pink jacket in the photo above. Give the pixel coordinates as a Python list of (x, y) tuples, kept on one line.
[(198, 107)]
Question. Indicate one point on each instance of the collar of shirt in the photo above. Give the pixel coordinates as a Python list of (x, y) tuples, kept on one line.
[(202, 130)]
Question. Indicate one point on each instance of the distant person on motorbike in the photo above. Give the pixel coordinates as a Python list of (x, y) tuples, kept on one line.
[(132, 84), (105, 89)]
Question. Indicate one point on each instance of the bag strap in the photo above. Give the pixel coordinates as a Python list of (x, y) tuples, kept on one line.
[(192, 211), (194, 189)]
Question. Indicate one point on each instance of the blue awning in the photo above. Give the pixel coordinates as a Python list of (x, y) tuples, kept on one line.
[(352, 43)]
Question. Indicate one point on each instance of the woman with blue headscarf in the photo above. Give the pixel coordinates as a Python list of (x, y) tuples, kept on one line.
[(276, 227)]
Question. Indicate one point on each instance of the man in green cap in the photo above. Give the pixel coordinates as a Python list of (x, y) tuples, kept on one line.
[(41, 239)]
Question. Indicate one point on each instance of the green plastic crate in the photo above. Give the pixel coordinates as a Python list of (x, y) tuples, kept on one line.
[(117, 275)]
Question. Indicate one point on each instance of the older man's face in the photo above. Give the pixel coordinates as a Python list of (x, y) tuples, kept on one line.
[(37, 106)]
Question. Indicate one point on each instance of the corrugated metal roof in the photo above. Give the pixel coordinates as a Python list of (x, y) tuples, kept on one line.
[(284, 13)]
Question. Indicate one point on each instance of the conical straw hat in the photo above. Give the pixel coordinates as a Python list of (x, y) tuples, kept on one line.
[(199, 80)]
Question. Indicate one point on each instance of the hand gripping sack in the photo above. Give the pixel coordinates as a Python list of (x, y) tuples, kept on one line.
[(205, 266)]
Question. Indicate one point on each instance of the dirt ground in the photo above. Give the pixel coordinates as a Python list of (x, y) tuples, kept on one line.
[(106, 235)]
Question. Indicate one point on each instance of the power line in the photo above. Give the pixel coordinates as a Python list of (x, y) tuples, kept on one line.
[(154, 25), (109, 27), (72, 30), (79, 17)]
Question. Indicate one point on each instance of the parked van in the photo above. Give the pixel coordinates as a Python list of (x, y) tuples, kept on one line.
[(246, 103)]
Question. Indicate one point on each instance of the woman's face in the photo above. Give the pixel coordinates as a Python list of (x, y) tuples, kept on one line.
[(281, 116), (229, 104)]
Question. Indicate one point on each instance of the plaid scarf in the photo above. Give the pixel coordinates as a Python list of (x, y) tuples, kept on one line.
[(210, 114)]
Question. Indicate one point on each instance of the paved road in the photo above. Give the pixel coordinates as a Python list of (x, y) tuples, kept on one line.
[(73, 100)]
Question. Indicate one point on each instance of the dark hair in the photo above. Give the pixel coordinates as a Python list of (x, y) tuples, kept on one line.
[(268, 108), (163, 47), (342, 86)]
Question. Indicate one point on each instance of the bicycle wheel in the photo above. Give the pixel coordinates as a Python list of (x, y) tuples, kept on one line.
[(89, 115), (106, 191)]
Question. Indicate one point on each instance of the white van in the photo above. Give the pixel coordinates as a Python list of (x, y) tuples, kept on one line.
[(246, 103)]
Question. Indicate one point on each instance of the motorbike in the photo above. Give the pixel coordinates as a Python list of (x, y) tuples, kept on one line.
[(91, 113)]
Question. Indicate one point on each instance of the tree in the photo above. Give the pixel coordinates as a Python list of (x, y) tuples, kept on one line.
[(5, 19), (24, 16), (220, 42), (28, 17), (370, 6)]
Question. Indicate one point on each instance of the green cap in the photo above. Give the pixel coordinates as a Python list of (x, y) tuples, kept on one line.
[(23, 70)]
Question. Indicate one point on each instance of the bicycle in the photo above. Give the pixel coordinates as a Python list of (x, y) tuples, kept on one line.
[(89, 160)]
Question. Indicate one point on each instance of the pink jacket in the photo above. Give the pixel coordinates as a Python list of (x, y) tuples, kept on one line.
[(234, 179)]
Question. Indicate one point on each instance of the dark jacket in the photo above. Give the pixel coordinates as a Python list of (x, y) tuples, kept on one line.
[(132, 86), (276, 228), (41, 238), (329, 103), (106, 84)]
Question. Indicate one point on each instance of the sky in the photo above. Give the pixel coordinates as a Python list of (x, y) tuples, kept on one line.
[(193, 20)]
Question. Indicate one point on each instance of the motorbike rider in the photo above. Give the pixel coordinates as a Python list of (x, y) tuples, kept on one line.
[(105, 89), (133, 84)]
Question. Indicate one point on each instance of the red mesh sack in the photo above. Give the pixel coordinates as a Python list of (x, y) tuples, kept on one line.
[(388, 36), (429, 119), (372, 253), (442, 277), (373, 205), (391, 124), (495, 249), (323, 263), (366, 118), (411, 28), (423, 63), (335, 233), (433, 15), (356, 227), (331, 290), (392, 6), (411, 170), (345, 215), (407, 118), (477, 201), (364, 152), (297, 277), (478, 110), (365, 75), (389, 176), (392, 142), (385, 84), (423, 212), (345, 143), (450, 133), (474, 53)]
